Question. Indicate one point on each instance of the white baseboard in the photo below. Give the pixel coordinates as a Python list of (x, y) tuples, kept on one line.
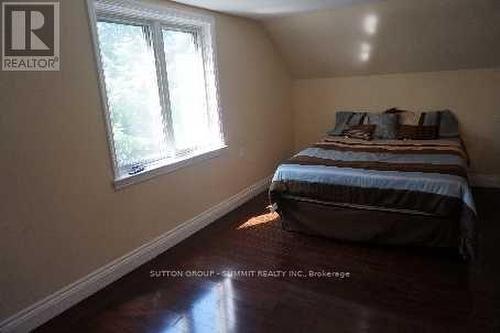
[(49, 307), (481, 180)]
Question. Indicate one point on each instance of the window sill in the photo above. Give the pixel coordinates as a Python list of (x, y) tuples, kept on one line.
[(168, 167)]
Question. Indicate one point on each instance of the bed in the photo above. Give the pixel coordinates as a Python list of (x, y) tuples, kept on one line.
[(397, 192)]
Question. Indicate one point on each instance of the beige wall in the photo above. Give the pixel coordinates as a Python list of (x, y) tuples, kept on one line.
[(474, 96), (60, 217)]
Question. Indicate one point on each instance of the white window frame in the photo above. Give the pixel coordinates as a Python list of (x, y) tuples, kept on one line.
[(158, 16)]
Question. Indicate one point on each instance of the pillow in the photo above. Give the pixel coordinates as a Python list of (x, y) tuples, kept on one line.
[(363, 132), (419, 132), (432, 118), (386, 124), (431, 125), (407, 132), (405, 117), (446, 122), (448, 128), (346, 119)]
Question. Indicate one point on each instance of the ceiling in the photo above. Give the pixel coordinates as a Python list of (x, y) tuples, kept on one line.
[(362, 37), (269, 8)]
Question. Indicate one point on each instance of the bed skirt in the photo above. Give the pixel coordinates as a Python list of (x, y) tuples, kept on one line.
[(368, 225)]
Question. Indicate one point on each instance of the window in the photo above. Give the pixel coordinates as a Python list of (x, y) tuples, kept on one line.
[(159, 83)]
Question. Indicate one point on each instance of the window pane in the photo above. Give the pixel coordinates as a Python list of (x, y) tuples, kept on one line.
[(187, 90), (132, 90)]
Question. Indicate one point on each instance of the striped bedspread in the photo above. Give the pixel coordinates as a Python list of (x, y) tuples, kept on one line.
[(417, 177)]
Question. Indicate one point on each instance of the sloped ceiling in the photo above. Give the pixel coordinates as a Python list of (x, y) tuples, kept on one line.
[(394, 36), (374, 37), (260, 9)]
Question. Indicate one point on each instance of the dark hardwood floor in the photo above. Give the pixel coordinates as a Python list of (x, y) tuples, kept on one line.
[(389, 289)]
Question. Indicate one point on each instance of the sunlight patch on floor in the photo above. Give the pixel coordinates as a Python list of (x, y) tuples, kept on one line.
[(259, 220)]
